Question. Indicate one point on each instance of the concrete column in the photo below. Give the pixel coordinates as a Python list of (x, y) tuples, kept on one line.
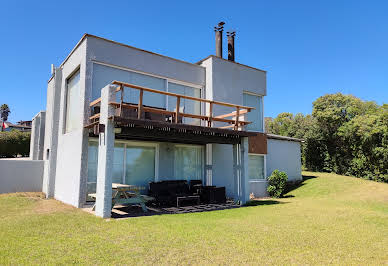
[(52, 156), (34, 138), (244, 179), (42, 125), (105, 154), (236, 172), (37, 136), (209, 164), (240, 171)]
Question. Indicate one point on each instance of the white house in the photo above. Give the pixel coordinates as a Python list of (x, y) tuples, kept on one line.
[(116, 113)]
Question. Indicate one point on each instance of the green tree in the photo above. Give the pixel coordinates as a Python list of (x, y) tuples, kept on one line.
[(4, 112), (344, 135)]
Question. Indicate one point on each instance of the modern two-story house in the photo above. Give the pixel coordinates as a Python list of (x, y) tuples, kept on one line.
[(116, 113)]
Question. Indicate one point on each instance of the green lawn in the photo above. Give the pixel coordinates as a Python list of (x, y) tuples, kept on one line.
[(329, 219)]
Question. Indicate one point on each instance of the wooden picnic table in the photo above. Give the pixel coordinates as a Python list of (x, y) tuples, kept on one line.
[(127, 194)]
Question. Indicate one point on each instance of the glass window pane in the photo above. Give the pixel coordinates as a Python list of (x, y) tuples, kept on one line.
[(256, 167), (118, 163), (104, 75), (73, 104), (92, 166), (175, 88), (140, 166), (188, 162), (187, 106), (256, 115), (149, 98)]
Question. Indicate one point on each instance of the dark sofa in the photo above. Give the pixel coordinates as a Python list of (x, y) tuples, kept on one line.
[(166, 192)]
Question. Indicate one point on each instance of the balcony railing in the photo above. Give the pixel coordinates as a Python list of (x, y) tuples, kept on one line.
[(235, 120)]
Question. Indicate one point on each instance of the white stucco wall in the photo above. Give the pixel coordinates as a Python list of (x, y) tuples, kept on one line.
[(51, 132), (71, 145), (127, 58), (226, 82), (285, 156), (37, 136), (21, 175)]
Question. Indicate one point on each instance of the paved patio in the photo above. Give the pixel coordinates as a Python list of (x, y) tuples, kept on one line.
[(121, 211)]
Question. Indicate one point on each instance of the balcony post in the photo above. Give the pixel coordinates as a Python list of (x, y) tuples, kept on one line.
[(121, 100), (237, 118), (140, 106), (178, 104), (209, 123)]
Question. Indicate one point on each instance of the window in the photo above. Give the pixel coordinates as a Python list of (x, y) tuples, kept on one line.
[(256, 115), (118, 163), (104, 75), (186, 105), (73, 103), (92, 166), (256, 167), (188, 162)]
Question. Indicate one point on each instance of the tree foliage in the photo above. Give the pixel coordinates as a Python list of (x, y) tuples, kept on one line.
[(343, 134), (14, 143), (4, 112), (277, 183)]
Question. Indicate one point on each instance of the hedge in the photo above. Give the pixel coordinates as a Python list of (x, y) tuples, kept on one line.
[(14, 143)]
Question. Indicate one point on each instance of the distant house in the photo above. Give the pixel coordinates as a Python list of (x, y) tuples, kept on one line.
[(120, 114), (24, 126)]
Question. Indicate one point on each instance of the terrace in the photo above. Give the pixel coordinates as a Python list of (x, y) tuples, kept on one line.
[(143, 122), (150, 117)]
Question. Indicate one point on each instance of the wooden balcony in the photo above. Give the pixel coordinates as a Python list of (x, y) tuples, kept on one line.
[(135, 118)]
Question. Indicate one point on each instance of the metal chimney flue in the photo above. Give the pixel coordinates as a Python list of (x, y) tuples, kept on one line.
[(219, 29), (231, 35)]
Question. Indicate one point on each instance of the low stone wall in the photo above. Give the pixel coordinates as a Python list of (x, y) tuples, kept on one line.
[(20, 175)]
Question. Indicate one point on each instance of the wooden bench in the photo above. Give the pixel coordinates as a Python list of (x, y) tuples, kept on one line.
[(125, 194)]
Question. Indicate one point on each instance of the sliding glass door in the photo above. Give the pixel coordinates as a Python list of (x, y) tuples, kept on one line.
[(133, 164), (188, 162), (136, 163), (139, 165)]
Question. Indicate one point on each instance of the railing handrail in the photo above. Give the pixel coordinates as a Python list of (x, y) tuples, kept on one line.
[(235, 122), (124, 84)]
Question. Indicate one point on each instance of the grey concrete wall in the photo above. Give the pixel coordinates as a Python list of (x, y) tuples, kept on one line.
[(71, 172), (21, 176), (118, 55), (34, 137), (285, 156), (226, 81), (51, 132), (37, 136)]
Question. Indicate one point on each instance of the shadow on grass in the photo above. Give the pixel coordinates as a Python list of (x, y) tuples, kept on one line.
[(307, 177), (263, 202), (294, 185), (288, 196)]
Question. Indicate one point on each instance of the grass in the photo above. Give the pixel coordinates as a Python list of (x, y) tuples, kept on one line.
[(329, 219)]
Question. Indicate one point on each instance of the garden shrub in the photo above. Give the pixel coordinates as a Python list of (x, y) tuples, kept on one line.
[(277, 183), (14, 143)]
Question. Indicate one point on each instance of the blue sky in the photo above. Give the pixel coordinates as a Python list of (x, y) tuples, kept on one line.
[(309, 48)]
